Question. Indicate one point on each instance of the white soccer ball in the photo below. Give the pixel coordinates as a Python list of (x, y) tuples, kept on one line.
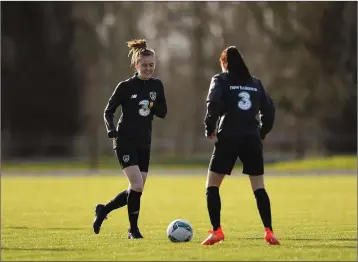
[(180, 230)]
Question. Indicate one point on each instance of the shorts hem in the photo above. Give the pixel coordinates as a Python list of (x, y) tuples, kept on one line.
[(253, 174), (221, 173)]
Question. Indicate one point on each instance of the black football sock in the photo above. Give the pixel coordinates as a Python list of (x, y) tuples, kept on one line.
[(119, 201), (214, 206), (264, 207), (133, 205)]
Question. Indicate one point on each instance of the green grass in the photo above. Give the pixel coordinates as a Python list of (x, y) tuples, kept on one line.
[(312, 164), (49, 218), (337, 163)]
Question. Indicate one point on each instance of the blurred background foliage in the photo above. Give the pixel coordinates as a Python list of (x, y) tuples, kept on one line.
[(62, 60)]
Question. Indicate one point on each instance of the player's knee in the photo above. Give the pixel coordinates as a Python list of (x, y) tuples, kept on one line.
[(135, 178), (144, 177), (257, 182), (139, 187), (137, 184), (214, 179)]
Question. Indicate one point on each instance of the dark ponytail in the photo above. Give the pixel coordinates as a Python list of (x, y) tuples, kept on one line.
[(236, 65)]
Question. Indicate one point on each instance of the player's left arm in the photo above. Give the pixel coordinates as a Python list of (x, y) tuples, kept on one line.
[(159, 105), (213, 103), (268, 111)]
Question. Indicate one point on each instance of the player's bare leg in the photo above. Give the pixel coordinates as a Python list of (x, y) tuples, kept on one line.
[(144, 177)]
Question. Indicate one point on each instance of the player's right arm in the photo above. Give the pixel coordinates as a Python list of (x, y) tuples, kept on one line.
[(214, 106), (113, 103), (267, 110)]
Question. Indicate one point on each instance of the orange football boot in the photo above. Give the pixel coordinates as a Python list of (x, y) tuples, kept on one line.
[(270, 237), (214, 237)]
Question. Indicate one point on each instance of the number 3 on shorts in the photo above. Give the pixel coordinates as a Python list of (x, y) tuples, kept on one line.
[(245, 102)]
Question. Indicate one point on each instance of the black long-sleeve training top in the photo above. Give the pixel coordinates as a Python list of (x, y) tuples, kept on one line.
[(238, 107), (140, 101)]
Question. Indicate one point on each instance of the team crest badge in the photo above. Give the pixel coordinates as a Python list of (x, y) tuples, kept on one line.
[(153, 95), (126, 158)]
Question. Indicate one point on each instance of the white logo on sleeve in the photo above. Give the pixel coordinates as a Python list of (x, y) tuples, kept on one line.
[(126, 158)]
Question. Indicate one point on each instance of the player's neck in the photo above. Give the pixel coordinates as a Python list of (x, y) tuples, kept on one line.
[(141, 77)]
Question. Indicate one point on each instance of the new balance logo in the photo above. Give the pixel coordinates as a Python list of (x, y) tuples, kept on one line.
[(134, 96)]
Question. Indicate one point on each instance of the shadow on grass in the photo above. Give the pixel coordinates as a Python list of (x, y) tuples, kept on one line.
[(45, 228), (305, 239), (308, 245), (330, 246), (40, 249)]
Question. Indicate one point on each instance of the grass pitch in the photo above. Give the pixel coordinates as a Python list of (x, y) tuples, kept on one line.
[(50, 218), (333, 163)]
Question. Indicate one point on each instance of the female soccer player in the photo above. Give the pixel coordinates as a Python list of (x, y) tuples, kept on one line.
[(140, 97), (237, 99)]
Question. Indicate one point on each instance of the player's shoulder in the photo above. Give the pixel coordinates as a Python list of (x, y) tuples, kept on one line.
[(220, 79), (122, 84), (255, 79), (257, 82), (157, 82), (221, 76), (129, 80)]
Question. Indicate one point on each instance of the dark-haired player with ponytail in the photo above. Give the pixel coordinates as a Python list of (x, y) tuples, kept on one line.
[(237, 100), (141, 97)]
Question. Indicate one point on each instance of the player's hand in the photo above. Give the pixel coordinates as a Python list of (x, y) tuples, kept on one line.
[(212, 136), (113, 134)]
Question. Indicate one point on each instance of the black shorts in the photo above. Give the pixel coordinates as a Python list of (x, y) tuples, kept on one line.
[(128, 155), (247, 148)]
